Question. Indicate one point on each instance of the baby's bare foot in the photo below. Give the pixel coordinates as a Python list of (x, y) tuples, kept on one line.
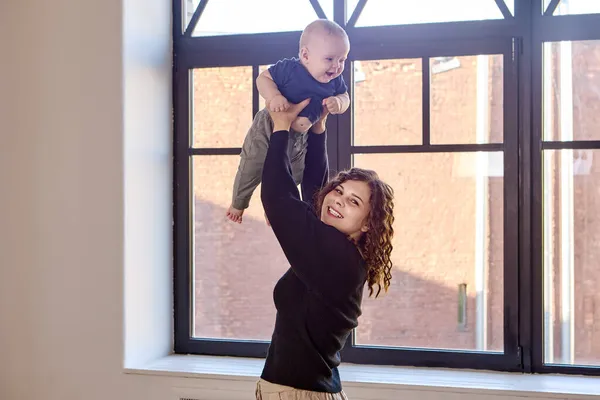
[(234, 214)]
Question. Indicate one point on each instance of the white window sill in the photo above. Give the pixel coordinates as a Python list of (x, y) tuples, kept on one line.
[(384, 382)]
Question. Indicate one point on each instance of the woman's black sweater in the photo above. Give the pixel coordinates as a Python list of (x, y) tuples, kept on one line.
[(318, 300)]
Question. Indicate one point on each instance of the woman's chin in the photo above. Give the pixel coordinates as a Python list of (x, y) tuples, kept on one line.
[(328, 219), (332, 221)]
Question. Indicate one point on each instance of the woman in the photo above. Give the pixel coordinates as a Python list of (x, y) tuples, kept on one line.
[(332, 249)]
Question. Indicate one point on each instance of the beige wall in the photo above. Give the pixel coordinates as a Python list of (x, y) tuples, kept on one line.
[(64, 140)]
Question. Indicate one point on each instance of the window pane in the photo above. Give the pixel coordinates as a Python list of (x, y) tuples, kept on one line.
[(448, 243), (395, 12), (229, 17), (467, 99), (511, 6), (233, 285), (222, 106), (571, 90), (575, 7), (188, 8), (351, 5), (327, 6), (571, 254), (388, 102)]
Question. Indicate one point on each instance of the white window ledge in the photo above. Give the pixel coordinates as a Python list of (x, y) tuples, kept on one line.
[(379, 382)]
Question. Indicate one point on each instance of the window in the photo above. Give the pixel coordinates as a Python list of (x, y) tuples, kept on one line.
[(390, 12), (569, 7), (570, 178), (453, 235), (253, 17), (482, 116), (423, 130)]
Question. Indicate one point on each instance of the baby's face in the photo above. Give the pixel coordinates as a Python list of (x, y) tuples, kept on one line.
[(325, 56)]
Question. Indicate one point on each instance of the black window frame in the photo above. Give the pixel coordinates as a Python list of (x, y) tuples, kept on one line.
[(519, 39)]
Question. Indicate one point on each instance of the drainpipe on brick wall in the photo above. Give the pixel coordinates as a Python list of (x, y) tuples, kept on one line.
[(481, 203), (548, 189), (566, 202)]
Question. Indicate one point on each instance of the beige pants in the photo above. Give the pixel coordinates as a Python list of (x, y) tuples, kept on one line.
[(271, 391)]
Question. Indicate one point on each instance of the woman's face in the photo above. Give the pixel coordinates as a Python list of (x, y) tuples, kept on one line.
[(347, 208)]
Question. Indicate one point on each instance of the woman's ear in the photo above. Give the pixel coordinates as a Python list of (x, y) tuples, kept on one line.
[(365, 227)]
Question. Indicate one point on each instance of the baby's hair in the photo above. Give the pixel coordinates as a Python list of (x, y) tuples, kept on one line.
[(321, 26)]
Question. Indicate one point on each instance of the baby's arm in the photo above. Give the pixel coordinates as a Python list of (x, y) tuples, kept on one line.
[(267, 88), (337, 104)]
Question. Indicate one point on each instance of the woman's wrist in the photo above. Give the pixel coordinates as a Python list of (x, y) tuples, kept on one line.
[(280, 126)]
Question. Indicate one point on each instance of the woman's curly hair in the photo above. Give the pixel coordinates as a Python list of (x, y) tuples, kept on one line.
[(375, 245)]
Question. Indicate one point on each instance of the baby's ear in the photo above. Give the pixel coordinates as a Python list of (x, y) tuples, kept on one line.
[(303, 53)]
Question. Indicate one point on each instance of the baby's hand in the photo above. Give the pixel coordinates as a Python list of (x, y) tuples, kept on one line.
[(278, 103), (333, 105)]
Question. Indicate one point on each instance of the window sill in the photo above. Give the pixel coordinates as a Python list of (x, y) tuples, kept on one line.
[(382, 379)]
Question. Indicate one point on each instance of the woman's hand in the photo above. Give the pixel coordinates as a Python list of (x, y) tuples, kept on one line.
[(320, 126), (282, 120)]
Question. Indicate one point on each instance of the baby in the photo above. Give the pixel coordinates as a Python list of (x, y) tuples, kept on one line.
[(315, 74)]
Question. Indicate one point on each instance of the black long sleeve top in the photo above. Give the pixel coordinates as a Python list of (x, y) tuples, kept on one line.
[(318, 300)]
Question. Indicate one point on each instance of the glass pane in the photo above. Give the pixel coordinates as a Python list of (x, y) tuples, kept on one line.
[(571, 83), (233, 286), (350, 6), (467, 99), (447, 283), (575, 7), (401, 12), (388, 102), (222, 106), (511, 5), (327, 6), (571, 254), (188, 8), (229, 17)]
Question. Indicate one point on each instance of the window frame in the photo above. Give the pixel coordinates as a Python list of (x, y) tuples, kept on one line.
[(510, 359), (520, 40), (549, 28)]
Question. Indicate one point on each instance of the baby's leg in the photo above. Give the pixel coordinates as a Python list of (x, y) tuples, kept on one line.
[(252, 158), (301, 124)]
